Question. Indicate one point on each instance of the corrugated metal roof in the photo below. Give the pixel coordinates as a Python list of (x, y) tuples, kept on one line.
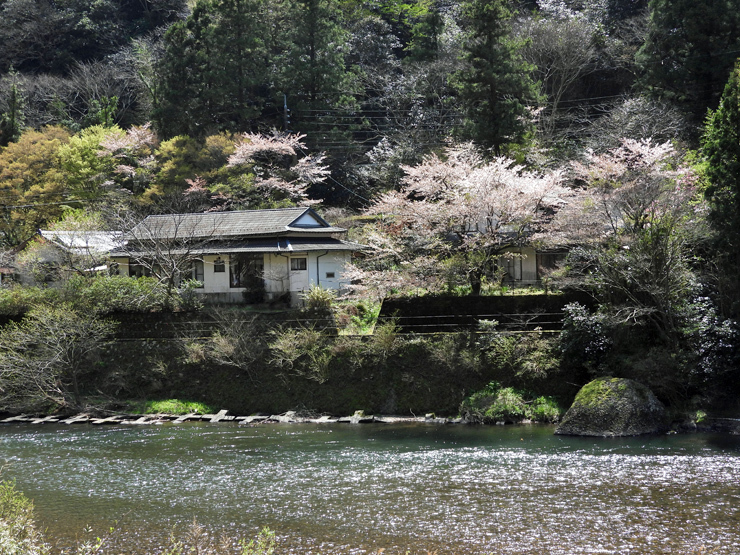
[(241, 223), (84, 242)]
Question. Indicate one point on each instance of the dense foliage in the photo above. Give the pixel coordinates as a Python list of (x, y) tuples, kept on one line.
[(586, 128)]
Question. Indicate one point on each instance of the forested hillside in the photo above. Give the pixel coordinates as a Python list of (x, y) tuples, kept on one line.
[(606, 128), (372, 84)]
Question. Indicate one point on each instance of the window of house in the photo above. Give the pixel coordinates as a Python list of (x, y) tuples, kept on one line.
[(329, 275), (197, 273), (247, 270), (219, 265), (298, 264), (137, 270), (236, 272)]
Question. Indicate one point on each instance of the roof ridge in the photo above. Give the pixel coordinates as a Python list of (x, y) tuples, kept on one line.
[(288, 208)]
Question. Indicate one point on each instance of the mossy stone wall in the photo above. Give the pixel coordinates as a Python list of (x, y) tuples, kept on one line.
[(442, 313)]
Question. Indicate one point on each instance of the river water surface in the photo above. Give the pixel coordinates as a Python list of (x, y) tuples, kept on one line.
[(419, 488)]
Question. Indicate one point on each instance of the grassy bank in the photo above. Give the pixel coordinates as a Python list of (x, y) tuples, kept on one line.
[(121, 353), (273, 370)]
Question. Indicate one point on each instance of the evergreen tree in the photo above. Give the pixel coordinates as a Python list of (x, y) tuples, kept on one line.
[(689, 51), (12, 119), (721, 147), (214, 74), (318, 85), (494, 87), (426, 28)]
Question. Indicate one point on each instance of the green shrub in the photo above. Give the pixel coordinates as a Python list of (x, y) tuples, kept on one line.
[(97, 295), (18, 532), (172, 406), (545, 409), (528, 356), (190, 299), (317, 297), (384, 340), (700, 416), (19, 299), (197, 541), (586, 338), (106, 294), (507, 404), (303, 351), (357, 318), (264, 544)]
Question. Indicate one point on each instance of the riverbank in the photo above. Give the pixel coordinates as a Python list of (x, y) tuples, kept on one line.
[(723, 425), (254, 366)]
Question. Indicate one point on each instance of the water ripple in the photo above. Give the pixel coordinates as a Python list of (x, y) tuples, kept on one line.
[(345, 489)]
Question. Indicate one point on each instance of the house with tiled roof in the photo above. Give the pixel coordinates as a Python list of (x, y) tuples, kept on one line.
[(241, 256)]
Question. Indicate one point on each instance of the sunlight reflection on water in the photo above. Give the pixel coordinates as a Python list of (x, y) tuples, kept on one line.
[(343, 488)]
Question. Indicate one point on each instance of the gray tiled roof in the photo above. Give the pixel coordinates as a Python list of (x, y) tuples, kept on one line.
[(233, 224)]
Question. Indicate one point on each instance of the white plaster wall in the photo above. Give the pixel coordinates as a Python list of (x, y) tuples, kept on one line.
[(529, 264), (215, 282), (333, 262), (276, 274), (122, 265), (318, 264)]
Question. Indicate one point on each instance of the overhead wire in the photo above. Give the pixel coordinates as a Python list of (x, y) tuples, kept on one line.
[(340, 113)]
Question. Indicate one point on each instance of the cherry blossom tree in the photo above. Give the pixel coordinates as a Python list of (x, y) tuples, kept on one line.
[(186, 175), (637, 184), (281, 165), (133, 153), (466, 211), (651, 215)]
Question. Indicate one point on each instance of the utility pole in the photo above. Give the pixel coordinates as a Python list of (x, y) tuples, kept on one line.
[(286, 114)]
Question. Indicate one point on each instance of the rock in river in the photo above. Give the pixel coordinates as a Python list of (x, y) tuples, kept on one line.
[(609, 407)]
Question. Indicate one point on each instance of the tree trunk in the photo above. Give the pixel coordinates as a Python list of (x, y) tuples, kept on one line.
[(476, 283)]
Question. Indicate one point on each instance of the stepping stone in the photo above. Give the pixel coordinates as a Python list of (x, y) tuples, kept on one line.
[(191, 416), (19, 418), (45, 419), (326, 420), (140, 420), (361, 419), (286, 418), (218, 417), (77, 419), (250, 419), (110, 420)]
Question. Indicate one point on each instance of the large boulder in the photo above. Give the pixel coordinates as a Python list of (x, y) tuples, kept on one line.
[(609, 407)]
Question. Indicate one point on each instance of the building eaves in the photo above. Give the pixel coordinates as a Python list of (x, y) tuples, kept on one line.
[(278, 245)]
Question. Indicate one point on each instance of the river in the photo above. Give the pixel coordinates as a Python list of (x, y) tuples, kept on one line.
[(420, 488)]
